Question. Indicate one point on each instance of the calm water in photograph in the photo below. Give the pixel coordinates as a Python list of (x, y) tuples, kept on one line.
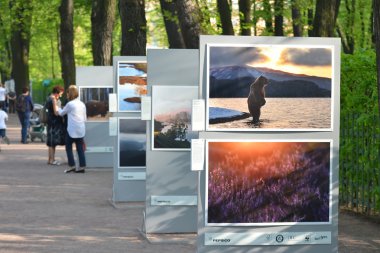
[(279, 113)]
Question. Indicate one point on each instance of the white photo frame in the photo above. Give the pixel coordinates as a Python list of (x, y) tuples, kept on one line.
[(171, 117), (96, 99), (131, 142), (268, 179), (131, 85), (299, 96)]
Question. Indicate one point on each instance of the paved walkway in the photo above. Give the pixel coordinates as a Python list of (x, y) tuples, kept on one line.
[(44, 210)]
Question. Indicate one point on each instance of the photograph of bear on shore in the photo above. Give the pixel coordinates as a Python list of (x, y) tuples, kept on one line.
[(132, 142), (276, 87), (96, 100), (171, 113), (132, 85), (268, 183)]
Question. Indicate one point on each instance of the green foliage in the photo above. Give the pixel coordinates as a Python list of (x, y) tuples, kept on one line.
[(358, 84), (359, 132), (40, 92)]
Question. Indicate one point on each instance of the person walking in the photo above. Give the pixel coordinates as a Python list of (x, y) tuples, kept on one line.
[(3, 96), (3, 126), (76, 129), (11, 102), (56, 129), (24, 107)]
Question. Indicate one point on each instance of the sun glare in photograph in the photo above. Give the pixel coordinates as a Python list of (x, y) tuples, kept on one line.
[(269, 87), (268, 182)]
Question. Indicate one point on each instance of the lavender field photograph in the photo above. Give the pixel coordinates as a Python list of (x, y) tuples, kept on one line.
[(171, 124), (132, 85), (132, 142), (269, 87), (268, 183), (96, 100)]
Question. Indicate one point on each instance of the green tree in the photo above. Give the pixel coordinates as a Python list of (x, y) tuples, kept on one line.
[(326, 12), (224, 9), (173, 30), (133, 26), (5, 46), (245, 17), (278, 17), (102, 24), (21, 21), (189, 16), (376, 29), (66, 10)]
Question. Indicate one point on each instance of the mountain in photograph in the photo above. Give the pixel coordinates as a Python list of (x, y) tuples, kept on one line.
[(234, 82), (181, 116), (171, 130)]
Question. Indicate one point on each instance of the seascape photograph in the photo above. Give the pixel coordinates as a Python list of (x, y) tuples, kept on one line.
[(171, 122), (96, 100), (276, 87), (132, 84), (132, 142), (268, 183)]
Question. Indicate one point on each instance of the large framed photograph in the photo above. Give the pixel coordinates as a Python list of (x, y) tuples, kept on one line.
[(132, 143), (171, 113), (269, 87), (96, 100), (264, 183), (131, 85)]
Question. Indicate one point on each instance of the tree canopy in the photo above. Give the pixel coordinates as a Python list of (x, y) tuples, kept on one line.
[(35, 45)]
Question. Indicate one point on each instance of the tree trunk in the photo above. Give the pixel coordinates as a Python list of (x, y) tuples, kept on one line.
[(297, 19), (133, 27), (325, 18), (224, 10), (245, 17), (349, 27), (21, 14), (376, 29), (102, 24), (268, 16), (171, 24), (310, 18), (189, 20), (66, 11), (345, 45), (278, 17)]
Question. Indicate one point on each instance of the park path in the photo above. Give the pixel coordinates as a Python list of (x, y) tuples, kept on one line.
[(44, 210)]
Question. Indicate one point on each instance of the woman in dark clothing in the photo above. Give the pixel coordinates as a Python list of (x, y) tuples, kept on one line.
[(56, 130)]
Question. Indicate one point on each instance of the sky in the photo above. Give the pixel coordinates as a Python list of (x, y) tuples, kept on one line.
[(297, 60), (172, 99)]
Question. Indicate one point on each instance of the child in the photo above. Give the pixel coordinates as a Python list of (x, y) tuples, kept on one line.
[(3, 118)]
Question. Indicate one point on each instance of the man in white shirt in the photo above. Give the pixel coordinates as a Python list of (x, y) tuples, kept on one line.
[(76, 129)]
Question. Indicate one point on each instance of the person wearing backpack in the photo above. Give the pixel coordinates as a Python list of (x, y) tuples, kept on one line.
[(56, 128), (24, 107)]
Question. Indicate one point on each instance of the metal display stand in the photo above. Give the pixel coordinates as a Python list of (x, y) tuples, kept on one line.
[(171, 187), (99, 152), (298, 238), (129, 183)]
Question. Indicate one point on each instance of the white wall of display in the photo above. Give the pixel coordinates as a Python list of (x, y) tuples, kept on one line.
[(129, 82), (171, 186), (270, 180), (94, 83)]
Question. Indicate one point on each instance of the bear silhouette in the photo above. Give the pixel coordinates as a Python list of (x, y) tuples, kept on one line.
[(256, 98)]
